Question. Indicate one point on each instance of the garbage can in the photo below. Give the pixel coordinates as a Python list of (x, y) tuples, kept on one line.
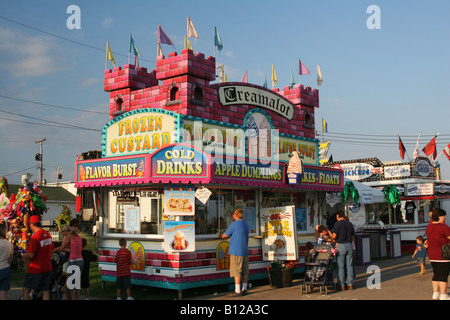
[(363, 248)]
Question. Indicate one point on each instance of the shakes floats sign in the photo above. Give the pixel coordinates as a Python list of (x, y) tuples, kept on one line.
[(236, 94)]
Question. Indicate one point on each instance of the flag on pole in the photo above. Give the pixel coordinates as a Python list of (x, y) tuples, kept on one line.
[(324, 126), (133, 47), (187, 43), (416, 150), (319, 76), (109, 55), (430, 148), (245, 77), (162, 37), (302, 69), (402, 148), (447, 151), (191, 32), (217, 40), (274, 77), (292, 82), (265, 81)]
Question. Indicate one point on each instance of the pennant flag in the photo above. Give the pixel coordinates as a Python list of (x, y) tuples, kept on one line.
[(302, 69), (430, 148), (274, 77), (265, 81), (323, 150), (416, 150), (226, 78), (402, 148), (162, 37), (109, 55), (245, 77), (292, 82), (447, 151), (324, 126), (187, 43), (133, 47), (217, 40), (319, 76), (191, 32)]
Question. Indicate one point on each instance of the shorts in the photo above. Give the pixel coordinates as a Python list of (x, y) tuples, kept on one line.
[(38, 281), (421, 260), (238, 266), (123, 282), (5, 279), (440, 271)]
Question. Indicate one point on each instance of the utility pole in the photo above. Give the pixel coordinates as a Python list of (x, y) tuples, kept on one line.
[(41, 159)]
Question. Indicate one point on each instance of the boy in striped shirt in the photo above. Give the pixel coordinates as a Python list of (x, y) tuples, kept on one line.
[(123, 262)]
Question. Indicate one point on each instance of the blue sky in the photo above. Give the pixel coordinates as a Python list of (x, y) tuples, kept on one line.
[(377, 83)]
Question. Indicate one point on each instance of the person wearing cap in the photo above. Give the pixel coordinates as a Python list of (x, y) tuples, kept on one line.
[(39, 254)]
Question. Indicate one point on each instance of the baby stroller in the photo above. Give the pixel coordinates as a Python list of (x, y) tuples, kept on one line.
[(319, 270)]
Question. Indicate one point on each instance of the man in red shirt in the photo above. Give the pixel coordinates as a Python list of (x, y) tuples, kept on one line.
[(123, 262), (39, 253)]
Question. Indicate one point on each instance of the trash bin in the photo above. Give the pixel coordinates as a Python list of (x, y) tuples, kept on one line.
[(395, 243), (363, 248)]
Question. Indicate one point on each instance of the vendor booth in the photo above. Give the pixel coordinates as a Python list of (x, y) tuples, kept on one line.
[(179, 155), (415, 182)]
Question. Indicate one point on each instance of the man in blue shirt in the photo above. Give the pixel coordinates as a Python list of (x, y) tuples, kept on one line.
[(238, 232)]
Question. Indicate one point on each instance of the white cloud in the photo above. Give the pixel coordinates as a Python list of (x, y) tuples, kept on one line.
[(107, 23), (88, 82), (28, 56)]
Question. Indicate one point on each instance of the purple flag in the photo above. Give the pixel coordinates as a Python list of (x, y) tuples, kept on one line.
[(302, 69), (162, 37)]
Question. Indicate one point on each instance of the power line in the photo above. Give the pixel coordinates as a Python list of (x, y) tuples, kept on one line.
[(67, 39), (51, 105)]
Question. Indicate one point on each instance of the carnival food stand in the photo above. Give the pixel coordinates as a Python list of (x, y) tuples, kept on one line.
[(179, 155)]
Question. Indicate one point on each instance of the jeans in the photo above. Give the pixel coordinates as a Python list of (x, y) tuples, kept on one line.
[(345, 263)]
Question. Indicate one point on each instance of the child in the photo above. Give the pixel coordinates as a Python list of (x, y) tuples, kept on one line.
[(421, 253), (123, 262), (324, 236), (88, 257)]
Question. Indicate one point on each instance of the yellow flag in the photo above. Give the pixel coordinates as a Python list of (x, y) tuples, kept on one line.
[(109, 55), (187, 43), (274, 77)]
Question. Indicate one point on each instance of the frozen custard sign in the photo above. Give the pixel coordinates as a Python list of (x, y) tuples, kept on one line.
[(239, 94), (139, 131)]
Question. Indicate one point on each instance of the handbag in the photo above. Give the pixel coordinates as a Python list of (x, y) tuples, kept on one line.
[(446, 251)]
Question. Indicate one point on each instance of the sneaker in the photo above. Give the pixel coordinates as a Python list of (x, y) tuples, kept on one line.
[(237, 294), (350, 287), (244, 292), (435, 296), (119, 298), (130, 298), (444, 297)]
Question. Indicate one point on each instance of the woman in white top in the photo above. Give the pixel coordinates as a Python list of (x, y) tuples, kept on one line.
[(6, 257)]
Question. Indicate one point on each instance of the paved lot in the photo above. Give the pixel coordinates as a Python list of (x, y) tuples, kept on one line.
[(400, 280)]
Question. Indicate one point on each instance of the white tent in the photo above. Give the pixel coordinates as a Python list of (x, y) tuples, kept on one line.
[(367, 194)]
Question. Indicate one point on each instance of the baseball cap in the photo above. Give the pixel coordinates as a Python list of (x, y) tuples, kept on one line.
[(35, 219)]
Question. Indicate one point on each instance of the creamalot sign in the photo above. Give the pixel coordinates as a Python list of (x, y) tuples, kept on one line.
[(240, 94)]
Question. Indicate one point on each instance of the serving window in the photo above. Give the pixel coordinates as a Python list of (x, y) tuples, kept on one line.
[(140, 211)]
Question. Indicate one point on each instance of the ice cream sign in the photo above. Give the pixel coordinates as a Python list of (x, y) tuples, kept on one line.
[(179, 236), (139, 131)]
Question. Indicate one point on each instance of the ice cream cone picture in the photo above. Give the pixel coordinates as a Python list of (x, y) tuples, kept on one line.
[(222, 256), (82, 173), (140, 169), (138, 256)]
